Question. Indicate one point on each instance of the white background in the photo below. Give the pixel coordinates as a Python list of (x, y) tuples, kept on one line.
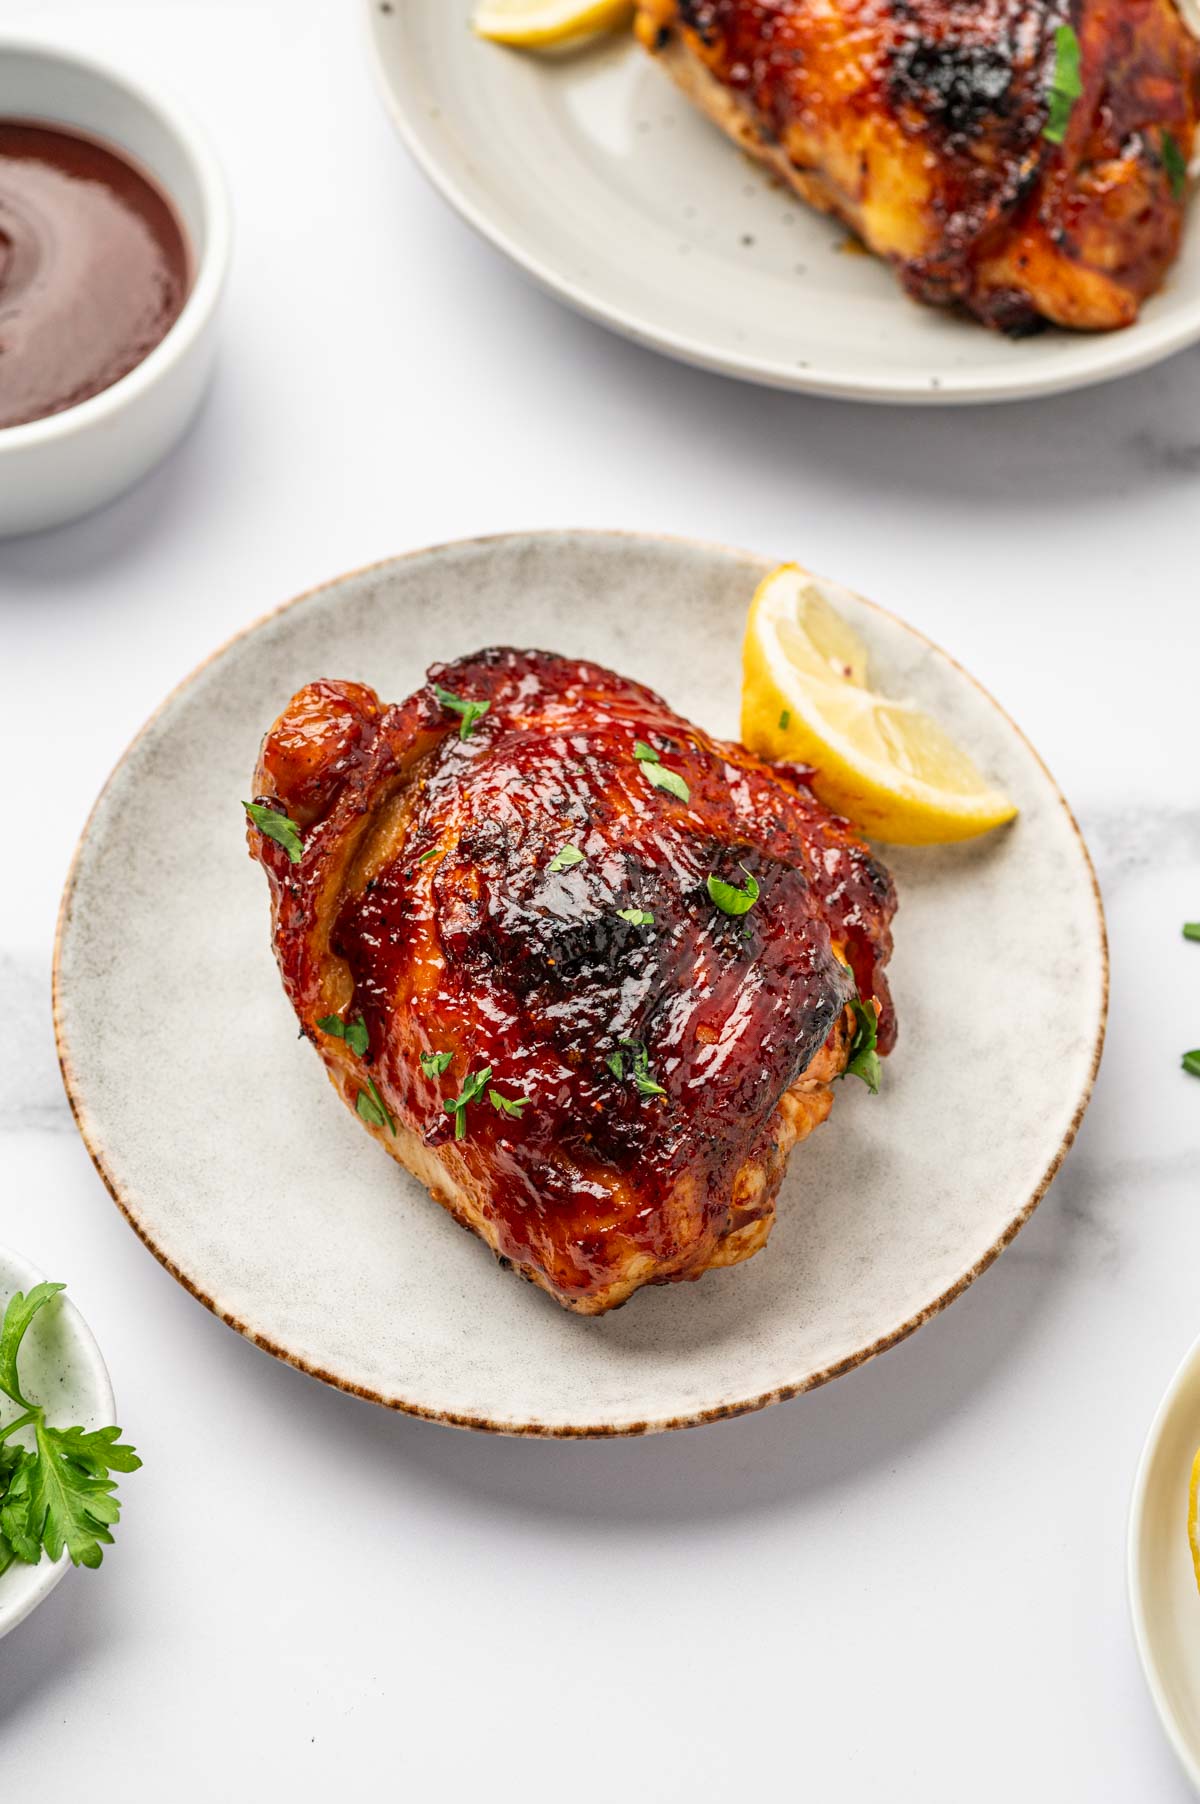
[(908, 1586)]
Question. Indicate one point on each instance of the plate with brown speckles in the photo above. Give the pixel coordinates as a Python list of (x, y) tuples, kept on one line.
[(591, 170), (216, 1133)]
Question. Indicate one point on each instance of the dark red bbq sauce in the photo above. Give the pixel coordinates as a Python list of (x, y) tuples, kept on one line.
[(94, 269)]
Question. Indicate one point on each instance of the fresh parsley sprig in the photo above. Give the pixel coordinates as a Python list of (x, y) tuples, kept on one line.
[(1175, 164), (274, 825), (474, 1085), (354, 1033), (508, 1105), (1191, 1060), (433, 1064), (1066, 84), (864, 1059), (656, 772), (372, 1108), (58, 1496), (643, 1079), (564, 859), (470, 712), (729, 898)]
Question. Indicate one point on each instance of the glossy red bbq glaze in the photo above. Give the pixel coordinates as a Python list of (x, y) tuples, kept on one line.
[(483, 950), (1016, 228), (93, 269)]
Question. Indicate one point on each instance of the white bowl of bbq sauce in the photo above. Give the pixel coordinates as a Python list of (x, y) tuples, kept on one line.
[(114, 244)]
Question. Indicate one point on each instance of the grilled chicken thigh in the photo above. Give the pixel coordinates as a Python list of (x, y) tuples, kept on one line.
[(498, 933), (922, 123)]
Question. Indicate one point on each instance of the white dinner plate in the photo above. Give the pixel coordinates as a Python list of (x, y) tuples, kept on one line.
[(217, 1132), (1162, 1586), (592, 172)]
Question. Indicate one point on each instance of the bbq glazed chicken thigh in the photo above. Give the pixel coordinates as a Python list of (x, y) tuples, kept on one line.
[(497, 930), (922, 124)]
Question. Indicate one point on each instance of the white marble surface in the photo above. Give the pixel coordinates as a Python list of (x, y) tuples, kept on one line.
[(908, 1586)]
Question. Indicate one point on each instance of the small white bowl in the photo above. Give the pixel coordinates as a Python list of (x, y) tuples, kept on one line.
[(61, 1367), (55, 469), (1162, 1586)]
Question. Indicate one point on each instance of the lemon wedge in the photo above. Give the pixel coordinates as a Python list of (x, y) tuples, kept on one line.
[(535, 23), (887, 765), (1193, 1542)]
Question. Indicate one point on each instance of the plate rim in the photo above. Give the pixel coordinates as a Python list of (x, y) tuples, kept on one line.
[(1152, 345), (1143, 1638), (488, 1424)]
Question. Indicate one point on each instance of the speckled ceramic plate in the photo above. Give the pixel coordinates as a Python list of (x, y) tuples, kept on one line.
[(217, 1132), (594, 174), (1162, 1586), (61, 1367)]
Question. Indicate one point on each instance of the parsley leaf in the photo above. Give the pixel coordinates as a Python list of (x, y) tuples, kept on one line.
[(1191, 930), (426, 856), (644, 1081), (470, 711), (473, 1086), (1191, 1063), (434, 1063), (638, 917), (1175, 164), (17, 1317), (274, 825), (354, 1033), (59, 1496), (372, 1108), (729, 898), (785, 720), (1066, 84), (670, 780), (508, 1105), (645, 754), (864, 1060), (562, 861)]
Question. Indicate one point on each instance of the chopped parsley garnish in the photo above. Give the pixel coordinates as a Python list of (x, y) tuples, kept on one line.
[(354, 1033), (508, 1105), (57, 1496), (670, 780), (373, 1109), (729, 898), (1191, 1063), (470, 711), (785, 721), (473, 1086), (640, 1069), (864, 1060), (1066, 84), (1191, 930), (645, 754), (434, 1063), (1175, 164), (562, 861), (274, 825), (637, 917), (426, 856)]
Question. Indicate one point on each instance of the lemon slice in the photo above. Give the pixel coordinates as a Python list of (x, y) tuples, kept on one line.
[(532, 23), (884, 763), (1193, 1542)]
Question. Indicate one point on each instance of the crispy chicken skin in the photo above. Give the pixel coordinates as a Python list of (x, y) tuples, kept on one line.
[(427, 901), (920, 123)]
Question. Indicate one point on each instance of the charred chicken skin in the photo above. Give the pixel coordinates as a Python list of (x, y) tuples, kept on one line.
[(922, 124), (498, 933)]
